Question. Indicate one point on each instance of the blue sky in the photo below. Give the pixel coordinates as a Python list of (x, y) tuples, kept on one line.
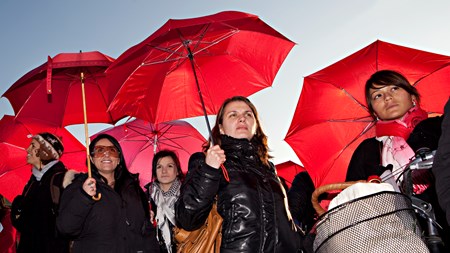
[(325, 32)]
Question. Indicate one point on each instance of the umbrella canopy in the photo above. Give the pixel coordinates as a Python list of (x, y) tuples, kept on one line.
[(140, 140), (332, 117), (217, 56), (15, 137), (288, 170), (52, 92)]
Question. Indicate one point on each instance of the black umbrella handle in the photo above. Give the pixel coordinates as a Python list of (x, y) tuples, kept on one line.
[(191, 59)]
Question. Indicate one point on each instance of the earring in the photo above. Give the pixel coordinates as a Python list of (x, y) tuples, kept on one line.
[(414, 103)]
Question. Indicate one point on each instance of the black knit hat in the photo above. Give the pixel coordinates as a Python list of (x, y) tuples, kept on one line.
[(51, 147)]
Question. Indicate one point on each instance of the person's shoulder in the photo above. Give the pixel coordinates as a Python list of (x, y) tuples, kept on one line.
[(59, 167), (197, 156), (195, 160), (429, 125), (369, 142)]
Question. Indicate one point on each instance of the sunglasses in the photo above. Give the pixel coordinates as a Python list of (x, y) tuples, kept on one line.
[(100, 151)]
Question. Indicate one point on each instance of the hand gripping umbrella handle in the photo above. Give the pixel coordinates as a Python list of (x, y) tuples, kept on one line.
[(86, 134)]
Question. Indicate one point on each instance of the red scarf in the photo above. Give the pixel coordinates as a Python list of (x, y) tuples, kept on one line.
[(393, 134), (401, 127)]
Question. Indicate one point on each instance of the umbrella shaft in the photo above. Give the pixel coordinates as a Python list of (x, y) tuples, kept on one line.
[(191, 59)]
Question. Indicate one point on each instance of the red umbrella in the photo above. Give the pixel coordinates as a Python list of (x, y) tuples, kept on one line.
[(217, 56), (332, 118), (15, 137), (52, 92), (140, 140), (288, 170)]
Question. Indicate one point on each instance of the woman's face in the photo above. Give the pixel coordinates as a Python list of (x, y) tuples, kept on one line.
[(166, 171), (106, 157), (390, 102), (32, 153), (238, 121)]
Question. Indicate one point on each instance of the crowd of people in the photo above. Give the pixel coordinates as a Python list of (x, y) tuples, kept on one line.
[(107, 210)]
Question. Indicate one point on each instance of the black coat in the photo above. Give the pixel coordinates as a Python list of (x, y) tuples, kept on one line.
[(251, 204), (441, 165), (118, 222), (300, 204), (33, 214), (366, 161)]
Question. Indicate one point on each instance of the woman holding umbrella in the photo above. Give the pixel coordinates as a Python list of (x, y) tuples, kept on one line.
[(253, 202), (402, 129), (162, 194), (117, 222)]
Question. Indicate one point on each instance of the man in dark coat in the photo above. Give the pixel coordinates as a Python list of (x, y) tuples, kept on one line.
[(34, 212)]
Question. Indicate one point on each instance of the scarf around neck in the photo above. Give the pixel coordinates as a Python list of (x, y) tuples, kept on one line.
[(393, 134), (165, 211), (39, 173), (401, 127)]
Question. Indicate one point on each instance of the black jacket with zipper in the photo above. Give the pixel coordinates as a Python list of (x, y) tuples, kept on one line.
[(251, 204)]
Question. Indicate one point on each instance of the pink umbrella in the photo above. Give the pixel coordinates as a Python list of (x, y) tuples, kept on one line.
[(140, 140), (15, 138)]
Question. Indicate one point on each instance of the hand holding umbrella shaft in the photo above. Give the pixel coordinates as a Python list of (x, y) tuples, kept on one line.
[(215, 156), (90, 186)]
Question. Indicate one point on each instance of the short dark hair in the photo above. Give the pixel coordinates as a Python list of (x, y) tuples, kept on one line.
[(165, 153), (384, 78)]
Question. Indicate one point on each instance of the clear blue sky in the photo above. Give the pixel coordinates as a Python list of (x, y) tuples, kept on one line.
[(325, 31)]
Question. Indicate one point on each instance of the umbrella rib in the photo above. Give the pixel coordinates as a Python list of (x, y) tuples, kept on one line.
[(361, 119), (354, 99), (172, 52), (367, 128)]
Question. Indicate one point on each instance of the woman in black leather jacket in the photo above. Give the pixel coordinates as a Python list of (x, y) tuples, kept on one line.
[(253, 202)]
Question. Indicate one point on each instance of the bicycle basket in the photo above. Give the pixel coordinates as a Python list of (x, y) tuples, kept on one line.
[(380, 222)]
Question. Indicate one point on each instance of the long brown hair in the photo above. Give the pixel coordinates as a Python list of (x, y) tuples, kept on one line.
[(260, 138)]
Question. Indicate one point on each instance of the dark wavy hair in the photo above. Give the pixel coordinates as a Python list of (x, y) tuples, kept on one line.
[(260, 138), (162, 154), (121, 172), (384, 78)]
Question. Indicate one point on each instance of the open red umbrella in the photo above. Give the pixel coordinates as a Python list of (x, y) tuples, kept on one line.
[(52, 92), (332, 118), (15, 137), (288, 170), (140, 140), (189, 66)]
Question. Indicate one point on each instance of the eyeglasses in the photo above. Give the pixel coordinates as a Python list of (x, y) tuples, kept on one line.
[(100, 151)]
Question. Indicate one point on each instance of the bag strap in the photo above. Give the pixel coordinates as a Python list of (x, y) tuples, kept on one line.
[(55, 191)]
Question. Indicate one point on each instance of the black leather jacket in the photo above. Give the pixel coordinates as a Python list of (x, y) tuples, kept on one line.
[(252, 203)]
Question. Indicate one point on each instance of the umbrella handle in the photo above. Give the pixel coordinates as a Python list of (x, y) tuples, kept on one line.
[(326, 188), (86, 134)]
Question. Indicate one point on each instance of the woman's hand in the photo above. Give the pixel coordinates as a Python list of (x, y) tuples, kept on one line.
[(215, 156), (90, 186)]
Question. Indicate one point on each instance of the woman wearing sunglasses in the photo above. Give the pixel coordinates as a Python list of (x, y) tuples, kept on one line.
[(117, 222)]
